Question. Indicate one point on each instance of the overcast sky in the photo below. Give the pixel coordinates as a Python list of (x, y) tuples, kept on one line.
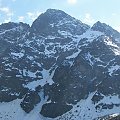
[(88, 11)]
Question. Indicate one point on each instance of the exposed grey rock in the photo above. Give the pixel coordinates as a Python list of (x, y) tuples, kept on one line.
[(62, 57)]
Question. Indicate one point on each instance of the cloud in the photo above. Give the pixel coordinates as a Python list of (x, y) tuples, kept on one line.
[(88, 19), (114, 14), (30, 17), (33, 15), (7, 20), (6, 11), (21, 18), (118, 28), (13, 0), (72, 2), (0, 2)]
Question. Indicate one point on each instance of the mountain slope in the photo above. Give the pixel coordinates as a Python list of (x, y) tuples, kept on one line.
[(59, 68), (56, 22)]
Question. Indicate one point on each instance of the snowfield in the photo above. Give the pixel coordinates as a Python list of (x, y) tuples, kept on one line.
[(83, 110)]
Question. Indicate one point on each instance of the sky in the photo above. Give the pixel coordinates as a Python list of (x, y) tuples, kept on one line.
[(87, 11)]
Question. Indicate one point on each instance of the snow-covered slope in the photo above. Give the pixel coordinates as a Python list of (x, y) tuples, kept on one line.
[(87, 110), (83, 110), (13, 111)]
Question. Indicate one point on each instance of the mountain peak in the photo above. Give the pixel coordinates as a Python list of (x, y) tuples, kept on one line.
[(98, 23), (98, 26), (54, 14), (52, 11), (106, 29), (53, 21)]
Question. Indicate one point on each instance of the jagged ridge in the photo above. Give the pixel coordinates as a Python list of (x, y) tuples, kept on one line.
[(61, 61)]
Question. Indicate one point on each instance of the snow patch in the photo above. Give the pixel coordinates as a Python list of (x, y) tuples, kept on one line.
[(74, 55), (13, 111), (116, 51), (19, 55), (47, 78), (89, 57), (109, 42), (91, 35), (29, 73), (110, 100), (85, 109), (113, 69), (64, 33), (114, 115), (114, 46)]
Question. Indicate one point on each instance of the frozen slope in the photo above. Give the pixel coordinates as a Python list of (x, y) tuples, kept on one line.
[(83, 110)]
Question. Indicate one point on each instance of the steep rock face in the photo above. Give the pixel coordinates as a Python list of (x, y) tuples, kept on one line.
[(92, 70), (11, 37), (59, 60), (31, 98), (108, 30), (10, 34), (56, 22), (28, 62), (12, 26)]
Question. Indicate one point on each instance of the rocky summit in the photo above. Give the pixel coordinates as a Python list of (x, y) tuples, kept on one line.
[(59, 69)]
